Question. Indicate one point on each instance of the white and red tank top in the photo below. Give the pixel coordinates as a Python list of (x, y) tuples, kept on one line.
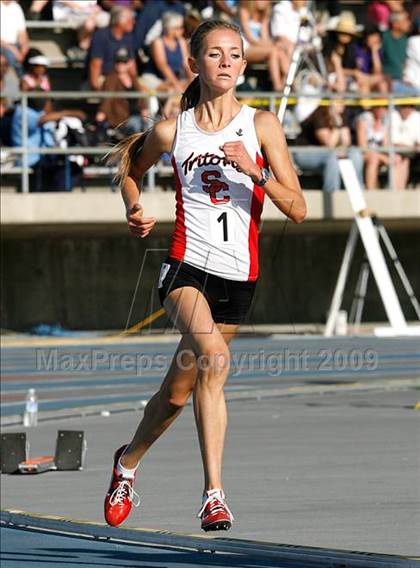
[(218, 208)]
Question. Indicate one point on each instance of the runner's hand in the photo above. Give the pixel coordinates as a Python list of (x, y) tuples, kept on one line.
[(236, 152), (138, 225)]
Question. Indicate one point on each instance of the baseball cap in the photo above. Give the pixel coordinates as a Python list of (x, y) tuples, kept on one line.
[(121, 55)]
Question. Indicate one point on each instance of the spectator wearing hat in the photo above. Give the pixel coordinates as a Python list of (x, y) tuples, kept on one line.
[(35, 77), (394, 45), (14, 39), (341, 51), (128, 114), (106, 41)]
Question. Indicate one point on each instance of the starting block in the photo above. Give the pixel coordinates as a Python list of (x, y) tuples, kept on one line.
[(70, 452), (14, 449)]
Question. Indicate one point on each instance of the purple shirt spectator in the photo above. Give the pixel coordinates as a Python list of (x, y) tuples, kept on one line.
[(364, 60)]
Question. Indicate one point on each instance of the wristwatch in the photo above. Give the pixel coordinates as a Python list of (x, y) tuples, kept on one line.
[(265, 176)]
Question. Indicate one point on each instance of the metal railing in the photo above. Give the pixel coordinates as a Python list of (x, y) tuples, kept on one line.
[(269, 99)]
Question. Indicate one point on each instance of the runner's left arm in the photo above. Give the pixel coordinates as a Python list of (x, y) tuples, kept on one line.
[(284, 187)]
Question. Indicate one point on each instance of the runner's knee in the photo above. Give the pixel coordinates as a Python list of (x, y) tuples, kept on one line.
[(213, 362)]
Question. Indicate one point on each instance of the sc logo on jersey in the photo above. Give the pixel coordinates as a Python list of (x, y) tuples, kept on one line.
[(212, 185)]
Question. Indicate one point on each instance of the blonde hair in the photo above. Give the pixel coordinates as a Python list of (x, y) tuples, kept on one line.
[(125, 153)]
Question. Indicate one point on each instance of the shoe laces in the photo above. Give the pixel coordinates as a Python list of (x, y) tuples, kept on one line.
[(124, 489), (215, 500)]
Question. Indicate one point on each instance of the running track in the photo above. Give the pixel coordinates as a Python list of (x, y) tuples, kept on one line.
[(121, 375), (70, 378)]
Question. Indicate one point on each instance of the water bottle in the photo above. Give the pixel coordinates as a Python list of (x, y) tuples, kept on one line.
[(30, 417)]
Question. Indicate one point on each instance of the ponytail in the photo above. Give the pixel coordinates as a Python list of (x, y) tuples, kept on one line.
[(191, 95), (125, 154)]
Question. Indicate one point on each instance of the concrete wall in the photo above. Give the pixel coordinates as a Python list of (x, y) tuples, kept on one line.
[(85, 279)]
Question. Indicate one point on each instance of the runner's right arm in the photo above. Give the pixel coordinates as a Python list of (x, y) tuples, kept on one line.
[(158, 141)]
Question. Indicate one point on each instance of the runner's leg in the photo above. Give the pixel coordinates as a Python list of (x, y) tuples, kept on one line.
[(190, 312), (168, 402)]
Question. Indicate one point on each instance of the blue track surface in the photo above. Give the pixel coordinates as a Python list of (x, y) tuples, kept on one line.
[(33, 541), (31, 549), (99, 375)]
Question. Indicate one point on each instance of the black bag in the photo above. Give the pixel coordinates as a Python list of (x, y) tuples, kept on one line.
[(55, 173)]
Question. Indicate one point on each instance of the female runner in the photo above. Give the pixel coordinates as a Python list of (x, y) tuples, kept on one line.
[(220, 151)]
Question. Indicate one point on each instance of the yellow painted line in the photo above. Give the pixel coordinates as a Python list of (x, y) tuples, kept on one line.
[(144, 322), (344, 101), (417, 405)]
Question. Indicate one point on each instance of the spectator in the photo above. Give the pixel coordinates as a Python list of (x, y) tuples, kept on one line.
[(411, 75), (192, 20), (369, 60), (5, 129), (394, 45), (41, 134), (336, 78), (285, 25), (340, 52), (107, 5), (379, 12), (122, 112), (9, 89), (168, 69), (405, 129), (405, 133), (227, 10), (14, 39), (327, 128), (254, 18), (105, 43), (148, 26), (9, 84), (40, 10), (85, 15), (372, 132), (36, 72)]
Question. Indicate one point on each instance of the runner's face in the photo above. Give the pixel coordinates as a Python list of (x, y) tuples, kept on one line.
[(221, 60)]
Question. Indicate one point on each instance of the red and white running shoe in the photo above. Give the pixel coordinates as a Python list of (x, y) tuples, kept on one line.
[(121, 495), (215, 514)]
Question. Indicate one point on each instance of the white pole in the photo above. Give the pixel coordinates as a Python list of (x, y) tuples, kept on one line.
[(373, 249), (291, 74), (341, 281)]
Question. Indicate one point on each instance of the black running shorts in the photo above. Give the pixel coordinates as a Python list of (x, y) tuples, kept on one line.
[(229, 300)]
